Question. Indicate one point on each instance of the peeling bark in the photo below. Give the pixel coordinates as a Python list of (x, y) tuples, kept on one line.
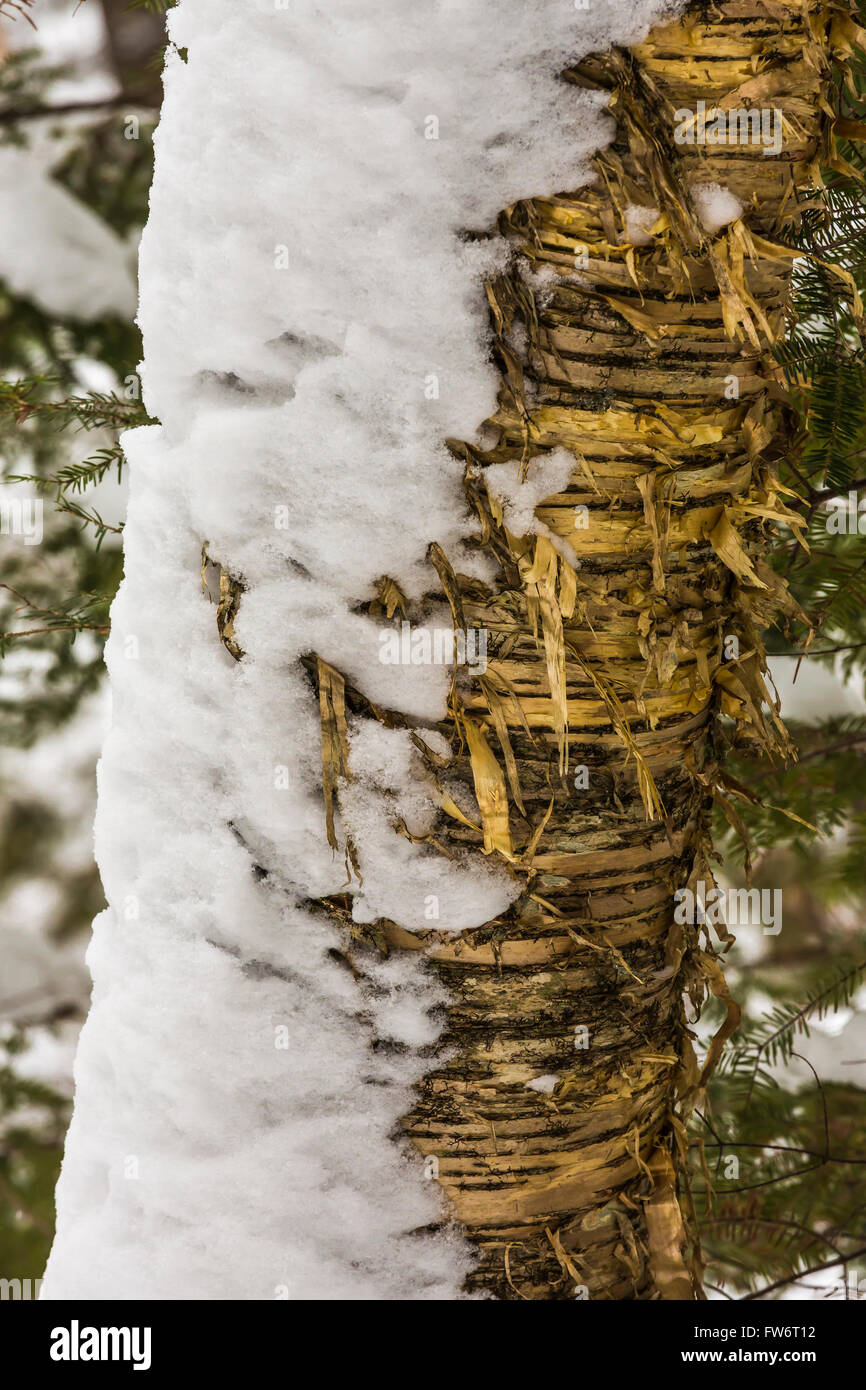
[(619, 666)]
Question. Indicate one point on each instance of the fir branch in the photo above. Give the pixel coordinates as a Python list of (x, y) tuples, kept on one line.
[(74, 618), (89, 518), (843, 1260), (772, 1040), (100, 409), (76, 477)]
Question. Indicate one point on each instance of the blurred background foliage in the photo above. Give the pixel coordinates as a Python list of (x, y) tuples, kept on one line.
[(79, 98), (778, 1164), (779, 1175)]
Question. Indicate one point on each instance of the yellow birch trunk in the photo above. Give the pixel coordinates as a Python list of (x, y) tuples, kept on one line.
[(623, 647), (654, 371)]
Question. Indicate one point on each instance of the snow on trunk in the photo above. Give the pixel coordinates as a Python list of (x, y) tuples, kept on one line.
[(315, 327)]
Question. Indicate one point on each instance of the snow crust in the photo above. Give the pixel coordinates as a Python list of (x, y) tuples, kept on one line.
[(315, 327)]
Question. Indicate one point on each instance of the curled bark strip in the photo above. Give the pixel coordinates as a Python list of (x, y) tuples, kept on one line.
[(335, 739), (666, 1232)]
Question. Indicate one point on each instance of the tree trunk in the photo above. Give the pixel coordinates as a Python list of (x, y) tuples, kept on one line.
[(624, 656), (651, 365)]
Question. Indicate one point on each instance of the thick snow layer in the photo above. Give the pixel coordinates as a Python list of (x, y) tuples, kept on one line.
[(315, 327)]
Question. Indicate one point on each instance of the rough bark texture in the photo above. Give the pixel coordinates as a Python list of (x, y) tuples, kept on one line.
[(621, 665), (621, 668)]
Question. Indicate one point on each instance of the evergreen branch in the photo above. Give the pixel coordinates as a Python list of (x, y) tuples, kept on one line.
[(99, 409), (719, 1143), (75, 477), (89, 518), (843, 1260), (778, 1043), (775, 1223), (74, 619), (7, 637), (824, 651)]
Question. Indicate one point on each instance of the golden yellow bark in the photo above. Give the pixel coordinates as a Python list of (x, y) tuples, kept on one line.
[(619, 665)]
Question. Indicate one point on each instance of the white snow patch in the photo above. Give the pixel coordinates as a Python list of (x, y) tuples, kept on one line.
[(547, 475), (545, 1084), (638, 220), (408, 882), (716, 206), (315, 326)]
